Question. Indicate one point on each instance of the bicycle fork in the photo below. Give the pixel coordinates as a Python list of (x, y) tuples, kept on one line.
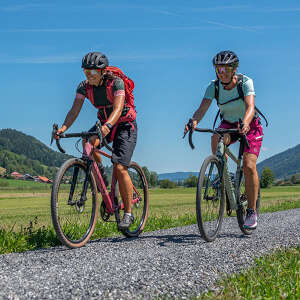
[(85, 185)]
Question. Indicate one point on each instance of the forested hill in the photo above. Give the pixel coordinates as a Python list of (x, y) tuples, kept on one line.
[(23, 153), (283, 164)]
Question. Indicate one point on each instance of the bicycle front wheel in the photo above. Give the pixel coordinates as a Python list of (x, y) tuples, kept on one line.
[(242, 206), (140, 205), (74, 213), (210, 199)]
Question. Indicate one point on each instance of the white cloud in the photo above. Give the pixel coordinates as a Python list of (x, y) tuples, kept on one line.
[(265, 149), (228, 26)]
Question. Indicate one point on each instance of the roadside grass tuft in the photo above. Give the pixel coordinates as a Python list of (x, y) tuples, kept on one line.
[(30, 237), (273, 276)]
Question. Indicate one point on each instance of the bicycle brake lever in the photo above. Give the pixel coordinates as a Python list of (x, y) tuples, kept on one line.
[(190, 126), (54, 130)]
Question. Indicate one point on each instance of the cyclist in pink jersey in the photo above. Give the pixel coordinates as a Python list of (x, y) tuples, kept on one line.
[(99, 87)]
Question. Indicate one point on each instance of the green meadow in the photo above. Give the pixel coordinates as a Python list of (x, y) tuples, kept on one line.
[(23, 201), (25, 218)]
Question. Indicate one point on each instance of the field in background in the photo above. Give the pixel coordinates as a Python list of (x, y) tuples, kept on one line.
[(24, 201)]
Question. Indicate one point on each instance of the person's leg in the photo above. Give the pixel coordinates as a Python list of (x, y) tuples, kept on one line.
[(254, 137), (251, 179), (125, 185), (214, 142), (123, 147)]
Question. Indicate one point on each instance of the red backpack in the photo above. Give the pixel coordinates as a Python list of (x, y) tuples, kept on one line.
[(129, 98)]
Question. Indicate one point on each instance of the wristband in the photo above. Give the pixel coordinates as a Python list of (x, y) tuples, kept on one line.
[(108, 125)]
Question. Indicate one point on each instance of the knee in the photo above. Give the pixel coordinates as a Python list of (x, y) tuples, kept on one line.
[(214, 143), (249, 168), (94, 141), (120, 169)]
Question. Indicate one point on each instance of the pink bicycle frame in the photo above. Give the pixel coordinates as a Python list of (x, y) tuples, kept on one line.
[(107, 197)]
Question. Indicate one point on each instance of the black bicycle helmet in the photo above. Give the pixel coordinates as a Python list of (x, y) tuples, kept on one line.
[(226, 58), (94, 60)]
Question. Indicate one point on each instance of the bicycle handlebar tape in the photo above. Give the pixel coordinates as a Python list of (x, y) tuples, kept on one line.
[(59, 147), (191, 140), (54, 130)]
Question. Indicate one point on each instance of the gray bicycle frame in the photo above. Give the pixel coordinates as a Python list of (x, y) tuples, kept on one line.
[(233, 192)]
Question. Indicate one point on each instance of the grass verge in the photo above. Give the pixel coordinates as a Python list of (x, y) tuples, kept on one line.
[(274, 276), (33, 237)]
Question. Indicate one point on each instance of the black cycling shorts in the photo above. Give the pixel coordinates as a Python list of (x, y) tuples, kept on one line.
[(123, 143)]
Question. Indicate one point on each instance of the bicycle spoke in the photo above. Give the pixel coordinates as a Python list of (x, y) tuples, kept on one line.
[(210, 199), (73, 218)]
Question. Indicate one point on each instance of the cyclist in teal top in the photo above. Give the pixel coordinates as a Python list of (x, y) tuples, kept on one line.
[(233, 108)]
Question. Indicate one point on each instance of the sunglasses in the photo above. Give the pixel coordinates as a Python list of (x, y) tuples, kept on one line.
[(223, 70), (88, 72)]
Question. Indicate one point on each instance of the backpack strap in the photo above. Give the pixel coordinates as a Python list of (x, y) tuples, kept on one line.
[(217, 90), (216, 118), (240, 85), (262, 115)]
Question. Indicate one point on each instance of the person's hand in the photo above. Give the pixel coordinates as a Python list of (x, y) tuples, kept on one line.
[(60, 130), (245, 128), (186, 128), (105, 130)]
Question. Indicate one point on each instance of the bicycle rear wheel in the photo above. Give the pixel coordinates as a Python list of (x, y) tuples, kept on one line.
[(210, 199), (242, 206), (73, 214), (141, 201)]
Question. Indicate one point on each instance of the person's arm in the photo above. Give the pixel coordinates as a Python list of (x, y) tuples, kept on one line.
[(249, 113), (119, 102), (200, 112), (72, 114)]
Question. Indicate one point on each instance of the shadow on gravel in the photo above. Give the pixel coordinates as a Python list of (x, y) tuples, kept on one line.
[(161, 239), (233, 235), (176, 239)]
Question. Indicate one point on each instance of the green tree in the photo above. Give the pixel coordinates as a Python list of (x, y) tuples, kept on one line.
[(294, 179), (191, 181), (153, 179), (167, 184), (267, 177), (147, 174)]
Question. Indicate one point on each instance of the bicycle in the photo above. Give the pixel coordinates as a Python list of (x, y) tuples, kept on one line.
[(74, 197), (217, 185)]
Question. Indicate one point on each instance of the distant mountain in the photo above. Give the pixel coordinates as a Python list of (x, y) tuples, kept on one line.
[(178, 176), (25, 154), (283, 164)]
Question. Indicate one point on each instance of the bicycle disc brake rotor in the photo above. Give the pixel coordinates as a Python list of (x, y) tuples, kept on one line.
[(137, 203), (104, 215), (79, 205)]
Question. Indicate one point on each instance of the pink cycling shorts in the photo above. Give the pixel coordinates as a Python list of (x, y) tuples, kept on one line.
[(254, 135)]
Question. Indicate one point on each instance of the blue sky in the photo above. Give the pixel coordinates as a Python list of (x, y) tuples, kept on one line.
[(166, 47)]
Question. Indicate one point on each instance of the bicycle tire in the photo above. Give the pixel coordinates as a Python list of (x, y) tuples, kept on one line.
[(139, 209), (210, 225), (73, 222), (241, 210)]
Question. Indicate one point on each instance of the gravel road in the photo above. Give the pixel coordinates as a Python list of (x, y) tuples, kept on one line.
[(174, 262)]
